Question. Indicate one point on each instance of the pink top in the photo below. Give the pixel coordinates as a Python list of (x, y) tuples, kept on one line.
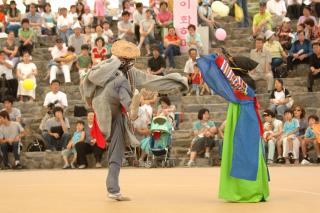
[(164, 17), (99, 7)]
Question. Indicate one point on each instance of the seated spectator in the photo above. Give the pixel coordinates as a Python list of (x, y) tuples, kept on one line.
[(261, 21), (99, 52), (63, 64), (14, 18), (284, 34), (88, 35), (99, 10), (89, 145), (26, 34), (128, 6), (14, 113), (206, 18), (300, 27), (189, 67), (310, 138), (6, 68), (280, 98), (193, 39), (11, 48), (274, 139), (55, 98), (299, 114), (172, 44), (314, 66), (204, 131), (277, 9), (138, 16), (26, 70), (78, 136), (276, 50), (290, 141), (57, 51), (87, 17), (11, 133), (77, 39), (263, 70), (35, 20), (312, 31), (64, 25), (99, 33), (6, 6), (164, 17), (125, 28), (28, 4), (84, 62), (166, 109), (306, 14), (48, 21), (156, 64), (73, 14), (300, 52), (147, 32), (294, 8), (55, 131), (2, 19), (107, 31)]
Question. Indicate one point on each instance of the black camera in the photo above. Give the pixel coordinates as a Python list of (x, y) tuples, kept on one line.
[(51, 106)]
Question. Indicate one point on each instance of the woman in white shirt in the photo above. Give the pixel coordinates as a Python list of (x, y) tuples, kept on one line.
[(26, 70)]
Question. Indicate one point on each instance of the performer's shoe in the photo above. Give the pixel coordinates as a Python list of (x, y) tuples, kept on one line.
[(118, 197)]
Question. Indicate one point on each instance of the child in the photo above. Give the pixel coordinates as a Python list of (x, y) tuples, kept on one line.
[(69, 57), (267, 135), (107, 31), (290, 141), (196, 79), (193, 39), (309, 137), (84, 62), (87, 35), (78, 136)]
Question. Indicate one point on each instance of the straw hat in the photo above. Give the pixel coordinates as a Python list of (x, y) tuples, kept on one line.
[(268, 34), (125, 49)]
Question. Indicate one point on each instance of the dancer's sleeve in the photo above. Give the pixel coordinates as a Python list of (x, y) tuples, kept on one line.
[(162, 84)]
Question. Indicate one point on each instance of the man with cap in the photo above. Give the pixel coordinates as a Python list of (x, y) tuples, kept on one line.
[(261, 21), (110, 88), (77, 39)]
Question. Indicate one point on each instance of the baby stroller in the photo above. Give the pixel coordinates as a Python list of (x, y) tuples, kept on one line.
[(158, 145)]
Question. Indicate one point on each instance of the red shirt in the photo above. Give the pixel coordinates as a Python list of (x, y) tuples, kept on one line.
[(99, 54), (196, 78), (172, 38)]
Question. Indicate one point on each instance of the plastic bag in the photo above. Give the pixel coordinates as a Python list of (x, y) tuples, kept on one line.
[(238, 13)]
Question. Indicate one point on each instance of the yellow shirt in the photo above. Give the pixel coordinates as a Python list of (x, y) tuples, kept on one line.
[(275, 49), (258, 18)]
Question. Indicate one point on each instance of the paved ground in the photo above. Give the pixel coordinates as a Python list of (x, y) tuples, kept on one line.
[(179, 190)]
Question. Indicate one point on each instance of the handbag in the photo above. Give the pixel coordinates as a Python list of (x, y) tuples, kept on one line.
[(238, 13), (80, 111)]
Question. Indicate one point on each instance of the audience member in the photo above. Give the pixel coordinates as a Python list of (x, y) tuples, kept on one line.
[(26, 70), (6, 68), (166, 109), (48, 21), (99, 10), (196, 80), (299, 114), (204, 131), (245, 21), (172, 44), (26, 35), (99, 52), (206, 18), (73, 14), (14, 113), (277, 9), (125, 27), (35, 20), (64, 25), (280, 98), (89, 145), (78, 136), (263, 70), (10, 137), (156, 64), (261, 21), (87, 17), (84, 62), (294, 8), (310, 138), (55, 131), (138, 16), (2, 19), (306, 14), (147, 31), (99, 33), (300, 52), (107, 31), (193, 39), (290, 141), (14, 18), (55, 98), (164, 18), (314, 72), (284, 34), (275, 137), (312, 32), (77, 39)]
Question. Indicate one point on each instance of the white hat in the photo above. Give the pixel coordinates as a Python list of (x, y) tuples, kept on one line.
[(76, 25), (286, 19), (268, 34), (307, 2)]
